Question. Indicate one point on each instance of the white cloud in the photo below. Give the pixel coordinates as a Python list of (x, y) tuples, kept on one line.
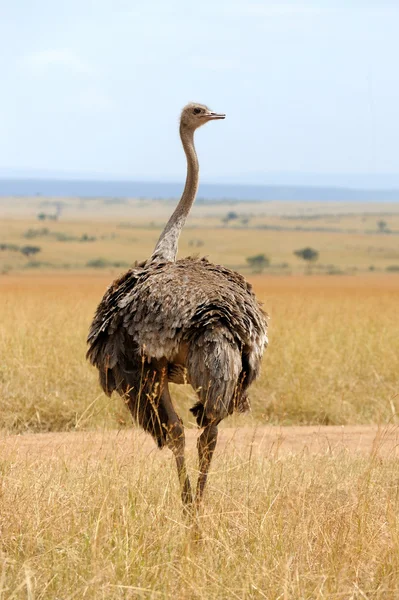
[(39, 62)]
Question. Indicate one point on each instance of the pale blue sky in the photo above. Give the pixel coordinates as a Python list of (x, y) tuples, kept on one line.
[(97, 86)]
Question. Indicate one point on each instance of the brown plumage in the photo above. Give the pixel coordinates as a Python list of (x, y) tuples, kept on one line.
[(180, 321)]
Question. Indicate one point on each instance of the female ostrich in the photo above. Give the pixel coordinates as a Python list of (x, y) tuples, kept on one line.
[(184, 321)]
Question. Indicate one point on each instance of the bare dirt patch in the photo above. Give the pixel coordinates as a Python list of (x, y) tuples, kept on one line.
[(261, 441)]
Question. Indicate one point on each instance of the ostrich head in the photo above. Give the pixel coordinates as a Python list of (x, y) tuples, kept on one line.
[(194, 115)]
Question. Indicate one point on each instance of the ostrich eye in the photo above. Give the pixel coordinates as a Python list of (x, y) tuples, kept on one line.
[(196, 111)]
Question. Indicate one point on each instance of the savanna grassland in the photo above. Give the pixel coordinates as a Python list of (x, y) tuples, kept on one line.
[(87, 515), (113, 233), (89, 509), (333, 355)]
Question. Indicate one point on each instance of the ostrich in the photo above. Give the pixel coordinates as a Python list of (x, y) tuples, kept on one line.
[(180, 321)]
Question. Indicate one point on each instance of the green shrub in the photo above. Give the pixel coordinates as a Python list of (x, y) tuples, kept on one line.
[(102, 263), (30, 250), (11, 247), (258, 262), (34, 233), (308, 254)]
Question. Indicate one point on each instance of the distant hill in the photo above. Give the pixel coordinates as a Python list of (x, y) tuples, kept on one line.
[(208, 191)]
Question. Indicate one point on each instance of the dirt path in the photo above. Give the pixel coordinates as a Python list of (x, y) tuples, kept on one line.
[(265, 441)]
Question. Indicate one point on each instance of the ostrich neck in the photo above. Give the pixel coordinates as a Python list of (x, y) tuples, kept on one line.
[(166, 248)]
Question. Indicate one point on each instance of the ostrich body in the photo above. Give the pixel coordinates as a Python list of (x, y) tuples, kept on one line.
[(180, 321)]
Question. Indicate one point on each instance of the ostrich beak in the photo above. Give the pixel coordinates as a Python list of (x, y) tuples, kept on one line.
[(212, 116)]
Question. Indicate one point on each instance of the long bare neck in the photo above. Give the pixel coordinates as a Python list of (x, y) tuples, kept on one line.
[(166, 248)]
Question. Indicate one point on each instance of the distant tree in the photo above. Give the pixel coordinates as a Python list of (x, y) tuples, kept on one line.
[(11, 247), (41, 216), (58, 209), (308, 254), (87, 238), (382, 226), (33, 233), (258, 263), (98, 263), (231, 216), (30, 250)]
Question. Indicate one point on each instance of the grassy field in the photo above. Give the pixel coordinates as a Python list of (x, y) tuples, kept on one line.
[(93, 510), (99, 233), (333, 355), (100, 518)]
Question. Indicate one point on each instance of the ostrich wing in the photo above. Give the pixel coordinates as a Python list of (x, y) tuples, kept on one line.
[(160, 306)]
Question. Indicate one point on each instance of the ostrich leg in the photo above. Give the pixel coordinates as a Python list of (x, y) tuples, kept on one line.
[(206, 445), (176, 442)]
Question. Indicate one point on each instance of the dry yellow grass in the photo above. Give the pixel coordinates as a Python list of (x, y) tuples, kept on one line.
[(333, 355), (99, 517), (96, 514), (128, 231)]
